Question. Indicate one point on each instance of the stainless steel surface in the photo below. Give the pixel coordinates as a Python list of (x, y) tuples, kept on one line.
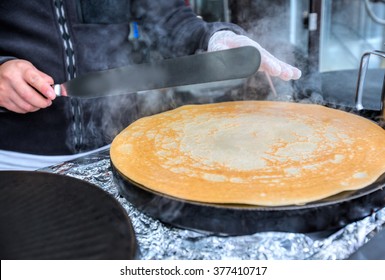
[(372, 14), (361, 81), (347, 31), (212, 10), (194, 69), (159, 241)]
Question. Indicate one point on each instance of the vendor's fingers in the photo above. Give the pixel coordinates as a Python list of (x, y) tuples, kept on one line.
[(277, 68), (270, 65), (296, 73), (286, 72), (18, 105), (28, 99), (41, 82), (289, 72)]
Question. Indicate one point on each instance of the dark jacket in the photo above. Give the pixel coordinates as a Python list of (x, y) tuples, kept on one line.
[(66, 39)]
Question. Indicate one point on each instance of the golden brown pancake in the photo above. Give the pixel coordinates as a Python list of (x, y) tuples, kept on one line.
[(251, 152)]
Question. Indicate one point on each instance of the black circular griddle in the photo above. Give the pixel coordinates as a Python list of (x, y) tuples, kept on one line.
[(328, 214), (51, 216), (339, 88)]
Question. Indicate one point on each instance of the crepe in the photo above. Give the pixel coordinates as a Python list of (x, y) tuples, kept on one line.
[(251, 152)]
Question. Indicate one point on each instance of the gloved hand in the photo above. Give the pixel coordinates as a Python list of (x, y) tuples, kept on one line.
[(222, 40)]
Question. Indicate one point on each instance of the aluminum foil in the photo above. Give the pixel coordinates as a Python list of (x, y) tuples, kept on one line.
[(159, 241)]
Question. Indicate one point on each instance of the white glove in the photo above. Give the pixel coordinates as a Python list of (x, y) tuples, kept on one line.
[(223, 40)]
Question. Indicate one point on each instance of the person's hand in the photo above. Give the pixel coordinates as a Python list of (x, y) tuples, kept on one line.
[(222, 40), (23, 88)]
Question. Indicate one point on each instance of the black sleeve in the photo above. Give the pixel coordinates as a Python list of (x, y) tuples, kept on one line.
[(173, 28)]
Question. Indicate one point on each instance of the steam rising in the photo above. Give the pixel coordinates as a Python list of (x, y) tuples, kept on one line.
[(269, 29)]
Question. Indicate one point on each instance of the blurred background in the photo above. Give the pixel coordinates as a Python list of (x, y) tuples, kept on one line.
[(324, 38), (334, 33)]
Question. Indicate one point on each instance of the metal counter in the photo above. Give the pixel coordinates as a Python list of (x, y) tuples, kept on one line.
[(159, 241)]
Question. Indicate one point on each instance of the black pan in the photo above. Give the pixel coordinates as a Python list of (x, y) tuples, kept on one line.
[(51, 216), (328, 214), (337, 90)]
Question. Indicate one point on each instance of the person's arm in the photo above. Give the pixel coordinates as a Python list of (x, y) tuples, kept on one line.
[(174, 29), (23, 88), (177, 31)]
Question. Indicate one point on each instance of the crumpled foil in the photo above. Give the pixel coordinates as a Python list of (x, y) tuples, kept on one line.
[(159, 241)]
